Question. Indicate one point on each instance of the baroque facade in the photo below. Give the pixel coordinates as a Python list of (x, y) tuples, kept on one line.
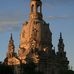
[(36, 44)]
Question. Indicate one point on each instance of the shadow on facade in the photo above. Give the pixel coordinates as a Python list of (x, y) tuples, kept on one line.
[(24, 69), (19, 69)]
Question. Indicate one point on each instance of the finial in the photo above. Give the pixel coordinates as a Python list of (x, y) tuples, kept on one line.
[(60, 35), (11, 37)]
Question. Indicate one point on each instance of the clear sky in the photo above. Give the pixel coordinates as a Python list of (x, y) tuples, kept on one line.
[(59, 13)]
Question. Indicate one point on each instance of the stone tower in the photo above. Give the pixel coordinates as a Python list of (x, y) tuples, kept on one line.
[(36, 39), (10, 52), (11, 55), (36, 45), (61, 55), (35, 33)]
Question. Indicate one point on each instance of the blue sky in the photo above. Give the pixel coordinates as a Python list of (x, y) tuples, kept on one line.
[(59, 13)]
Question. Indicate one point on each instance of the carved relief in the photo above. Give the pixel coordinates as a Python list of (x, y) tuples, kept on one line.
[(13, 61), (33, 44), (34, 33), (21, 52), (22, 56), (35, 58)]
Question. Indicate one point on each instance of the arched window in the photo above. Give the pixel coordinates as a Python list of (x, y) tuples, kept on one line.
[(32, 8), (38, 8)]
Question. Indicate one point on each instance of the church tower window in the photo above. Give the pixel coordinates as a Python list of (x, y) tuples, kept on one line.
[(32, 8), (38, 9)]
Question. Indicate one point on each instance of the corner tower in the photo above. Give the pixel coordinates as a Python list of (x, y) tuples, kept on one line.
[(36, 32), (11, 47), (61, 55), (10, 52)]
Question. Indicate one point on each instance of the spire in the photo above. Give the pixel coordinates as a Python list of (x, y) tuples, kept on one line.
[(60, 35), (11, 38), (36, 9), (61, 44), (61, 40), (11, 46)]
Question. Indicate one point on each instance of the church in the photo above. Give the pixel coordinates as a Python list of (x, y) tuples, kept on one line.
[(36, 45)]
